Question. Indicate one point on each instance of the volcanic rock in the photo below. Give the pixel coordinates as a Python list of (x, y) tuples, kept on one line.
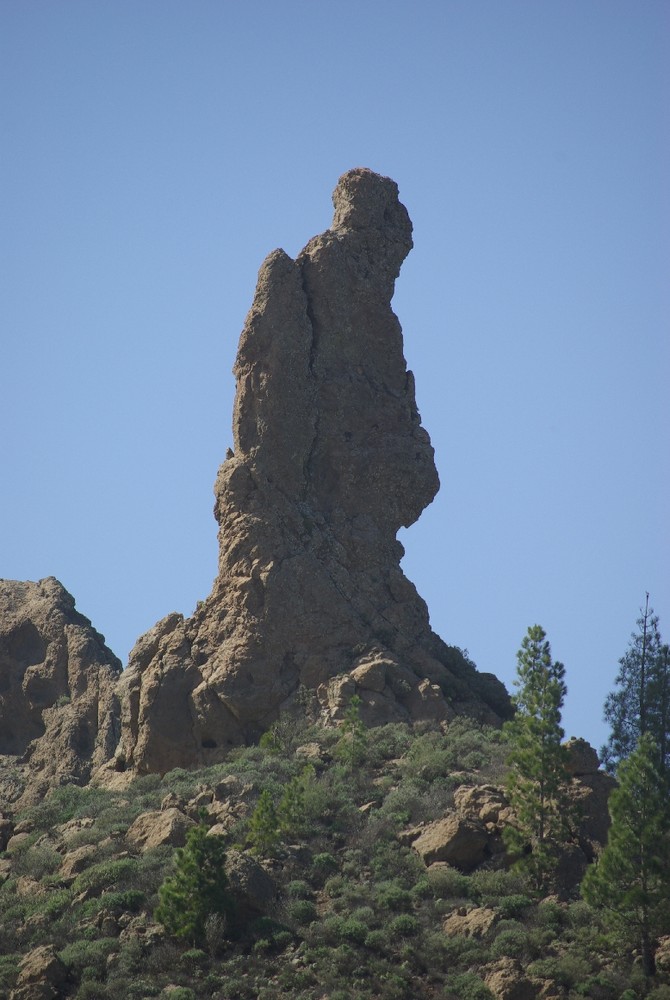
[(155, 829), (329, 461), (59, 716), (461, 842)]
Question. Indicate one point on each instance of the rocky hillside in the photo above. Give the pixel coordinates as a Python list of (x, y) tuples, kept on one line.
[(360, 868)]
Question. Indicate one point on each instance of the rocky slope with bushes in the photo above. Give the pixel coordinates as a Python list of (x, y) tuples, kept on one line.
[(384, 876)]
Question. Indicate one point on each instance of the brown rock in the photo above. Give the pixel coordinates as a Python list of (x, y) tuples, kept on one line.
[(582, 758), (41, 972), (77, 861), (460, 842), (58, 711), (663, 954), (591, 793), (330, 460), (486, 803), (14, 843), (507, 981), (6, 832), (253, 888), (153, 829), (473, 923)]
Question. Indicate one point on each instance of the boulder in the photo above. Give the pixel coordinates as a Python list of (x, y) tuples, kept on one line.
[(485, 803), (329, 460), (77, 861), (460, 842), (473, 923), (41, 972), (254, 889), (155, 829), (506, 981)]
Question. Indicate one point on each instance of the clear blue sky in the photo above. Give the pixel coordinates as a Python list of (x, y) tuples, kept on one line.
[(154, 151)]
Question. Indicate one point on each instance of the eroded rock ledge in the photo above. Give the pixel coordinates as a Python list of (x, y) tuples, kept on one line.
[(330, 460)]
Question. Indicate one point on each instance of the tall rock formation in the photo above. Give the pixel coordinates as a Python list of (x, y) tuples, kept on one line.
[(59, 715), (330, 460)]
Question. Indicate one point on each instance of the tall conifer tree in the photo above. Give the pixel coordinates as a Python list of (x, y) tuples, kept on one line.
[(631, 881), (198, 889), (538, 781), (640, 702)]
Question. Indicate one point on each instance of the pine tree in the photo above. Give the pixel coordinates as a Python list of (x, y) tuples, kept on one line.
[(352, 746), (630, 883), (292, 808), (640, 703), (263, 835), (538, 782), (198, 889)]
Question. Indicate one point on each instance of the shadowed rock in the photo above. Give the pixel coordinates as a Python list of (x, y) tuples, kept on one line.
[(329, 461), (58, 711)]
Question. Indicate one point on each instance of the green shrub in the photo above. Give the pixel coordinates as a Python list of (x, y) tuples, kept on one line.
[(550, 914), (448, 883), (514, 905), (388, 742), (553, 968), (105, 875), (297, 889), (391, 896), (404, 925), (422, 890), (91, 989), (468, 986), (179, 993), (36, 861), (511, 943), (302, 911), (52, 903), (130, 900), (489, 886), (193, 958), (9, 965), (80, 955), (352, 930), (377, 940), (334, 886)]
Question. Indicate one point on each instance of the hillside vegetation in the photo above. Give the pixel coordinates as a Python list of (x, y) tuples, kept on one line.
[(325, 894)]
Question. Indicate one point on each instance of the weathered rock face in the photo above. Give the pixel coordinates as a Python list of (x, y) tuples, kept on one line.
[(330, 460), (58, 712)]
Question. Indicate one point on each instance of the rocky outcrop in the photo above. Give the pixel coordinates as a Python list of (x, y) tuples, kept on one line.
[(59, 715), (157, 829), (41, 973), (475, 923), (329, 461), (454, 839)]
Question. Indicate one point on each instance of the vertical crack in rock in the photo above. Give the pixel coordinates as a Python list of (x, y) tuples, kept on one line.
[(329, 461)]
